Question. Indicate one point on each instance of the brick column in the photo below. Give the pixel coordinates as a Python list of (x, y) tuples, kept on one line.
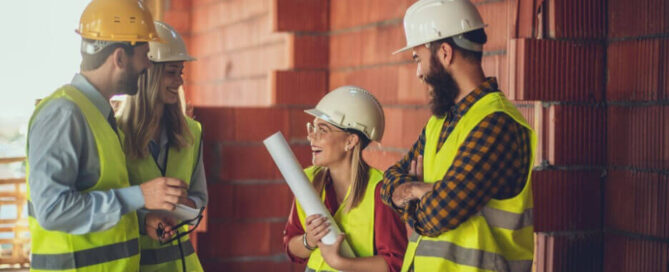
[(637, 186), (557, 54)]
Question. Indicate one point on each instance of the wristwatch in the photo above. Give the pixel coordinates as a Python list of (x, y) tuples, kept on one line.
[(306, 245)]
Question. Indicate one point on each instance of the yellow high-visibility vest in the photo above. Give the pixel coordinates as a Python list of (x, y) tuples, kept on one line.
[(115, 249), (180, 164), (357, 224), (500, 236)]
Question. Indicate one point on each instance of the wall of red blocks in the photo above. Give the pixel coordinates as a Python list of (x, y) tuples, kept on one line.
[(590, 75)]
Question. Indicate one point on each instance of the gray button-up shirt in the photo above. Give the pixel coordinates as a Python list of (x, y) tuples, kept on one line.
[(64, 162)]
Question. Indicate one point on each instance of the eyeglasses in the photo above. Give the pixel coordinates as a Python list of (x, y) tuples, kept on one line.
[(315, 132), (195, 222)]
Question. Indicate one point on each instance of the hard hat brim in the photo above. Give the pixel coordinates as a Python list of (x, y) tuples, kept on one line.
[(402, 50), (120, 39), (321, 115), (409, 47), (318, 114), (178, 58)]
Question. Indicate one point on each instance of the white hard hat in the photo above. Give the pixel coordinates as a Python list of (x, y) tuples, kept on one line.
[(172, 49), (431, 20), (351, 107)]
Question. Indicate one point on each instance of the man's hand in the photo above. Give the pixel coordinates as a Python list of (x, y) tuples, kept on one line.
[(403, 194), (154, 220), (419, 189), (411, 190), (416, 169), (163, 193)]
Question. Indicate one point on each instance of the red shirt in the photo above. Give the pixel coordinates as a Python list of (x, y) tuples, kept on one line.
[(390, 236)]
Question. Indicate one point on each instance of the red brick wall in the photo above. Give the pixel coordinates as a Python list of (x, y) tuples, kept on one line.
[(259, 66), (589, 75), (636, 190)]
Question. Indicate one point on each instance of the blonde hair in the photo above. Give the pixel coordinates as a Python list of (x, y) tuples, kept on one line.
[(139, 120), (359, 177)]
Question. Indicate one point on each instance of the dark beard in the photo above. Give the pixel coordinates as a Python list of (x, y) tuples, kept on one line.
[(444, 88), (130, 82)]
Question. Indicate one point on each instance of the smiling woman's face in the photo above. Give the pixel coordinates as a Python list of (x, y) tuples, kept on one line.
[(327, 143), (171, 81)]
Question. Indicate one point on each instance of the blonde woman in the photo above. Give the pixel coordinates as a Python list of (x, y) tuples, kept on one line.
[(346, 121), (161, 141)]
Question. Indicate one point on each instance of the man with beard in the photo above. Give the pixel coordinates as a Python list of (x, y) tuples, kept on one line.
[(464, 187), (81, 206)]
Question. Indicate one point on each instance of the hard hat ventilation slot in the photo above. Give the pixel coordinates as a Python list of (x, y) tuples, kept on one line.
[(117, 19), (132, 19)]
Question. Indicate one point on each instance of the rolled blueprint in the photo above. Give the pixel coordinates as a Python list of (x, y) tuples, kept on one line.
[(302, 189)]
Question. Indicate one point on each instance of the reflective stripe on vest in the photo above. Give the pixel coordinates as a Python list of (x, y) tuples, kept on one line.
[(114, 249), (497, 238), (468, 256), (358, 223), (86, 257), (507, 220), (166, 254), (180, 164), (312, 270)]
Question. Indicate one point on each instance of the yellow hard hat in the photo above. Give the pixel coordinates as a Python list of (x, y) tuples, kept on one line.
[(117, 20), (173, 49), (351, 107)]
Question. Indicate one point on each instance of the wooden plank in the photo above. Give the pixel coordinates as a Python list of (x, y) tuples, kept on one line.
[(13, 181), (15, 240), (19, 260), (12, 203), (15, 229), (11, 159), (11, 194)]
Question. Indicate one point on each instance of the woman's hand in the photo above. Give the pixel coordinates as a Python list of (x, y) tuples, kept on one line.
[(154, 221), (317, 227), (331, 255)]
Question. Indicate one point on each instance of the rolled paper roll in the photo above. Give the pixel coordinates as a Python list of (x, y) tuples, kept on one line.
[(304, 192)]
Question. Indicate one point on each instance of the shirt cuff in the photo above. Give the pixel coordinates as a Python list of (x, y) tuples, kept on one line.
[(408, 214), (131, 198), (141, 216)]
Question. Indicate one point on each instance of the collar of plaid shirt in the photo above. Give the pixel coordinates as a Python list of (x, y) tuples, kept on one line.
[(462, 106)]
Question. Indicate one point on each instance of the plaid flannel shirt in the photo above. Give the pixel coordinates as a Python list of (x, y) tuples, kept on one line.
[(491, 163)]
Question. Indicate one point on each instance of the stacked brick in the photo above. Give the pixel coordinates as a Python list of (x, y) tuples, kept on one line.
[(363, 35), (635, 215), (257, 70), (557, 54), (589, 75)]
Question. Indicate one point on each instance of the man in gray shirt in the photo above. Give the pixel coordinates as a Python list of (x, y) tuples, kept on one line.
[(81, 206)]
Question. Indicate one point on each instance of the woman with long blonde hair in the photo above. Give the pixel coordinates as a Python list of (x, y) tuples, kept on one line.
[(160, 140), (346, 121)]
